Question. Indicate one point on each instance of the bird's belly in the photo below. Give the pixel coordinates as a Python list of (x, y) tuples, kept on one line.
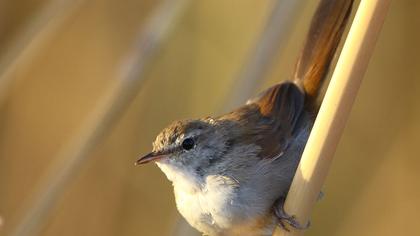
[(219, 209)]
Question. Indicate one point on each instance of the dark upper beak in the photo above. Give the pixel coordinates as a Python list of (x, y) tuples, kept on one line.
[(153, 156)]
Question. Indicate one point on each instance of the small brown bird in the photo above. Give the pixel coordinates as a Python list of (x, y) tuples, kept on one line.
[(231, 173)]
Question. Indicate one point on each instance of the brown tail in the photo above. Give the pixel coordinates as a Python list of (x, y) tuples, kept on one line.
[(324, 35)]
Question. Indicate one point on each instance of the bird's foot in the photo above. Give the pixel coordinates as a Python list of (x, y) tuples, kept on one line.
[(286, 219)]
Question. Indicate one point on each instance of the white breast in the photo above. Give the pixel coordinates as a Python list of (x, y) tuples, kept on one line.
[(213, 205)]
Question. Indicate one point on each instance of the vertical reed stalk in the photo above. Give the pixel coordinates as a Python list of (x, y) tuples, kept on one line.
[(334, 111)]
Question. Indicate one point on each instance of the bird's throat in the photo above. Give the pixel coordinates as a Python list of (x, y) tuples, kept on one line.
[(182, 177)]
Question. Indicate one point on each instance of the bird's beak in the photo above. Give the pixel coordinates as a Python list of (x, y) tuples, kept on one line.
[(153, 156)]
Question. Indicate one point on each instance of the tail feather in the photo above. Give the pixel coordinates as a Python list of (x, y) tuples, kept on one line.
[(323, 38)]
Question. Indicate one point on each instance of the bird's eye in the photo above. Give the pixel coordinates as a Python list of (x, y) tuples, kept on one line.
[(188, 144)]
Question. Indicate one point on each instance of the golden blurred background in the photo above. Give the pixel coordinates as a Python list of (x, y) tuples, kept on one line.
[(58, 81)]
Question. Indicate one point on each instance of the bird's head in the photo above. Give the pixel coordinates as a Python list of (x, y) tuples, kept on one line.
[(188, 147)]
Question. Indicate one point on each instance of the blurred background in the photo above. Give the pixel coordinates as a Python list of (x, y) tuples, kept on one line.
[(64, 65)]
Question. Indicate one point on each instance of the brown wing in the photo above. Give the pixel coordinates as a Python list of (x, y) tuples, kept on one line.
[(281, 107), (270, 119)]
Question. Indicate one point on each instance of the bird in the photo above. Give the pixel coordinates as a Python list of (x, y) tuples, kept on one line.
[(231, 173)]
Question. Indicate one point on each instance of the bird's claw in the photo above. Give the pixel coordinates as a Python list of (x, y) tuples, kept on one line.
[(286, 219)]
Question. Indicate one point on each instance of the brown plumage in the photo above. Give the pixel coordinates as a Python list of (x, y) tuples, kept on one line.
[(270, 120)]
